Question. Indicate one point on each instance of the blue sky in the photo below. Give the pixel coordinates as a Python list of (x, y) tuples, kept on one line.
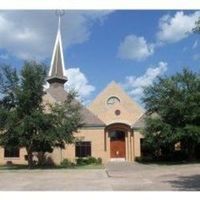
[(131, 47)]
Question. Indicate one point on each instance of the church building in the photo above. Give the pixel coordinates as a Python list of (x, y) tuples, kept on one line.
[(111, 122)]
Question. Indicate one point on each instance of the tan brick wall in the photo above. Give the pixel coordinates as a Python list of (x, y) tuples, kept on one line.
[(98, 142), (19, 160), (96, 136), (137, 146), (130, 113), (130, 110)]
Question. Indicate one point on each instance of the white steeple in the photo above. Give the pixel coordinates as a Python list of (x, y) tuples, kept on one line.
[(57, 67)]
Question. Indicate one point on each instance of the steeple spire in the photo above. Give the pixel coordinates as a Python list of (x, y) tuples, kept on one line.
[(57, 68)]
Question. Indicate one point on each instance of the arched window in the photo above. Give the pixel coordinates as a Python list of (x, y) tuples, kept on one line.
[(113, 100)]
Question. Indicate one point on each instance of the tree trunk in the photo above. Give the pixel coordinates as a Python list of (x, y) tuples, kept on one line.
[(191, 152), (190, 149), (30, 158), (41, 158)]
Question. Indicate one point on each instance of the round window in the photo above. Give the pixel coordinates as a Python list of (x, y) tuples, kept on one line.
[(117, 112)]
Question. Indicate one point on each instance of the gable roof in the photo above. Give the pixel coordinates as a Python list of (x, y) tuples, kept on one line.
[(140, 123), (89, 119), (130, 110), (115, 89)]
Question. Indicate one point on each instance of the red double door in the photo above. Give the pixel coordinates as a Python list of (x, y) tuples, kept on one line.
[(117, 144)]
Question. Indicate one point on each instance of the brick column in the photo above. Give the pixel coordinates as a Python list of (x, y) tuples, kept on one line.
[(129, 146), (126, 144), (132, 146), (108, 145)]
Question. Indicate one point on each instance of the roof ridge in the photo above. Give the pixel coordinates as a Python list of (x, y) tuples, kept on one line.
[(93, 114), (89, 117)]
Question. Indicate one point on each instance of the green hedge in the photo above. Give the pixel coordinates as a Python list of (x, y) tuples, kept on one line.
[(88, 160), (67, 164)]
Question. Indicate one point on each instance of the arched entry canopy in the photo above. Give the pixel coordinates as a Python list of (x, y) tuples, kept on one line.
[(119, 126), (119, 134)]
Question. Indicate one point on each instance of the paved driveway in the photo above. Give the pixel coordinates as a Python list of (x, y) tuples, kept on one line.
[(139, 177), (54, 180), (120, 176)]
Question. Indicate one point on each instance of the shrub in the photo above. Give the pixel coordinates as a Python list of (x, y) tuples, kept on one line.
[(99, 160), (66, 163), (43, 161), (91, 160), (88, 160), (177, 156), (143, 159), (80, 161)]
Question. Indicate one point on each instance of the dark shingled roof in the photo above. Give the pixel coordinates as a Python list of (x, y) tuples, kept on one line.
[(57, 79), (139, 123), (89, 119)]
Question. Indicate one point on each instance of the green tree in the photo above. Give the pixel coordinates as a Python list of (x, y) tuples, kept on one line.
[(196, 29), (175, 103), (25, 121)]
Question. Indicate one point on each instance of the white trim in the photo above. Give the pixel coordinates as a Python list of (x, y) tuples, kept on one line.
[(117, 159), (61, 52), (115, 96), (116, 121), (12, 158), (58, 41)]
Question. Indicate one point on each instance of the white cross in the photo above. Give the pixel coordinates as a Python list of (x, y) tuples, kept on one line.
[(60, 14)]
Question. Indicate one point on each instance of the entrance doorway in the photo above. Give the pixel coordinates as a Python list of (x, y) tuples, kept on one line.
[(117, 144)]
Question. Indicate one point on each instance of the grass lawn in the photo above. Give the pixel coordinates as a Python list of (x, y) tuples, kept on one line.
[(19, 167), (91, 166), (12, 167)]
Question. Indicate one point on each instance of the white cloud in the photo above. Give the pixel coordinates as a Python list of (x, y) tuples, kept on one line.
[(78, 81), (134, 85), (177, 27), (31, 34), (170, 29), (135, 48)]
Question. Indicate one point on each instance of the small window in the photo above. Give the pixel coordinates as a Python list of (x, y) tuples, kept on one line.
[(117, 135), (11, 152), (83, 149)]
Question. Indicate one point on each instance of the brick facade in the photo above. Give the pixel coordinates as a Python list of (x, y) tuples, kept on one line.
[(130, 112)]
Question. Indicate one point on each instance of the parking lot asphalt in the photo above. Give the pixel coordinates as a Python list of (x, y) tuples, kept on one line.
[(117, 176)]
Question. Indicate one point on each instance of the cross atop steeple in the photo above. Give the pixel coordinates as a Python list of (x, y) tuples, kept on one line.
[(57, 68)]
